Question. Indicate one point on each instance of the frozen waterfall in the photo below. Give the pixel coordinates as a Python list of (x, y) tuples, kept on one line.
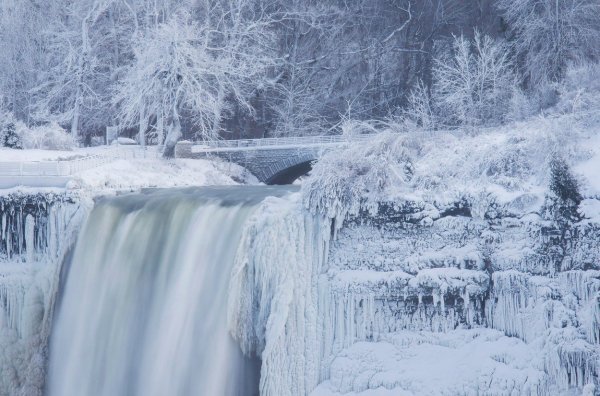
[(143, 310)]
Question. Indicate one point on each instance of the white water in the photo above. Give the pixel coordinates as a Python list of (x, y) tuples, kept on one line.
[(144, 306)]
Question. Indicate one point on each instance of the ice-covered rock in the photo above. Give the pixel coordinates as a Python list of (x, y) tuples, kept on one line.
[(37, 230)]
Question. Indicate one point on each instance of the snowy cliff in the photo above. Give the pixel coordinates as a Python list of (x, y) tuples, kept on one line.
[(439, 265)]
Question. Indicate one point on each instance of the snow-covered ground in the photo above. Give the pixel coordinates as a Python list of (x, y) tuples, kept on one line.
[(133, 174), (127, 168), (460, 362)]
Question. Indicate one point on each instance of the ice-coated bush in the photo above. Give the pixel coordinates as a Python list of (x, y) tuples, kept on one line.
[(399, 163), (47, 137), (360, 175), (580, 89)]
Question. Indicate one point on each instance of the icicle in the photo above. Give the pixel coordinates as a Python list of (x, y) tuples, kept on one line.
[(29, 238)]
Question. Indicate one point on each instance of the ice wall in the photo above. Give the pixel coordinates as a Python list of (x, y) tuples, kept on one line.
[(518, 273), (306, 294), (36, 232), (277, 301)]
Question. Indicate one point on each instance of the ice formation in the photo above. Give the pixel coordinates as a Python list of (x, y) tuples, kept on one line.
[(321, 304), (37, 230), (485, 292)]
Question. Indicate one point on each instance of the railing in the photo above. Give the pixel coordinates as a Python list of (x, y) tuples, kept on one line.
[(287, 141), (69, 167)]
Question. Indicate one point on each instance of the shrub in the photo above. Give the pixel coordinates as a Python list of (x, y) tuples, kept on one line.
[(9, 135), (47, 137)]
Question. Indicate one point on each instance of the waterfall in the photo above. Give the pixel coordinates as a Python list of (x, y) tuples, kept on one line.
[(143, 310)]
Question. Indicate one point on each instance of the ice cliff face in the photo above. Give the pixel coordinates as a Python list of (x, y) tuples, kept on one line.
[(510, 295), (499, 271), (36, 231)]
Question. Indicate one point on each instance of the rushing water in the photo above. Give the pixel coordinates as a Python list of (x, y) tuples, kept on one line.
[(144, 306)]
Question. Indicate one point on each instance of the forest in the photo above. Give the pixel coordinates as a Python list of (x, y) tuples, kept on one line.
[(162, 70)]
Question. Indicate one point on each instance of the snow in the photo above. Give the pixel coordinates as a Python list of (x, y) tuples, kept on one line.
[(129, 169), (134, 174), (498, 171), (589, 168), (460, 362), (11, 155)]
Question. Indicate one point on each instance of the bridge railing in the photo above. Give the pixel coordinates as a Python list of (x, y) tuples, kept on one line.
[(285, 141)]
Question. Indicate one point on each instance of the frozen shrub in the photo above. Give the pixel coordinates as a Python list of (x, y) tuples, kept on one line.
[(10, 138), (359, 176), (352, 127), (47, 137), (419, 108), (520, 106), (580, 90)]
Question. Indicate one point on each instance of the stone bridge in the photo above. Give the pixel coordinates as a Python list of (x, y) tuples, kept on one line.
[(271, 160)]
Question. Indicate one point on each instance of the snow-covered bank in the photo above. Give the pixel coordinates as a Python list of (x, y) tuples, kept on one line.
[(133, 174), (126, 168), (460, 362)]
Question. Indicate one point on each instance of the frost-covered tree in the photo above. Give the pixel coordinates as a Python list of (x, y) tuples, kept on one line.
[(547, 34), (195, 67), (73, 82), (561, 210), (23, 50), (419, 108), (473, 83)]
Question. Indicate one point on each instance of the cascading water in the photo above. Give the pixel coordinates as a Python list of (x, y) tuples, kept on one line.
[(143, 309)]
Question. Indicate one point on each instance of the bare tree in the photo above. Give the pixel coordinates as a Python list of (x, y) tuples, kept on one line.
[(473, 84), (547, 34)]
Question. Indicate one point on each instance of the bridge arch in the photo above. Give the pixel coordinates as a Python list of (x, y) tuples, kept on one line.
[(290, 174)]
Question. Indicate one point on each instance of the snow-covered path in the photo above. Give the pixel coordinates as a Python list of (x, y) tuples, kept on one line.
[(7, 182)]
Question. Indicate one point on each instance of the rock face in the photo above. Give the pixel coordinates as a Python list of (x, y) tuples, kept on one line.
[(530, 275)]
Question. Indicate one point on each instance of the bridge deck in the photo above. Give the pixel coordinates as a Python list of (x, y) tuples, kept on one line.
[(275, 143)]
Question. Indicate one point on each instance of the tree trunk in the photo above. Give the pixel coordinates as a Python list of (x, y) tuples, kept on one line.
[(160, 128), (75, 120), (173, 136), (143, 126)]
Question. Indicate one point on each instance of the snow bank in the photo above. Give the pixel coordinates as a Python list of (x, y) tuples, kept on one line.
[(497, 171), (133, 174), (460, 362)]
